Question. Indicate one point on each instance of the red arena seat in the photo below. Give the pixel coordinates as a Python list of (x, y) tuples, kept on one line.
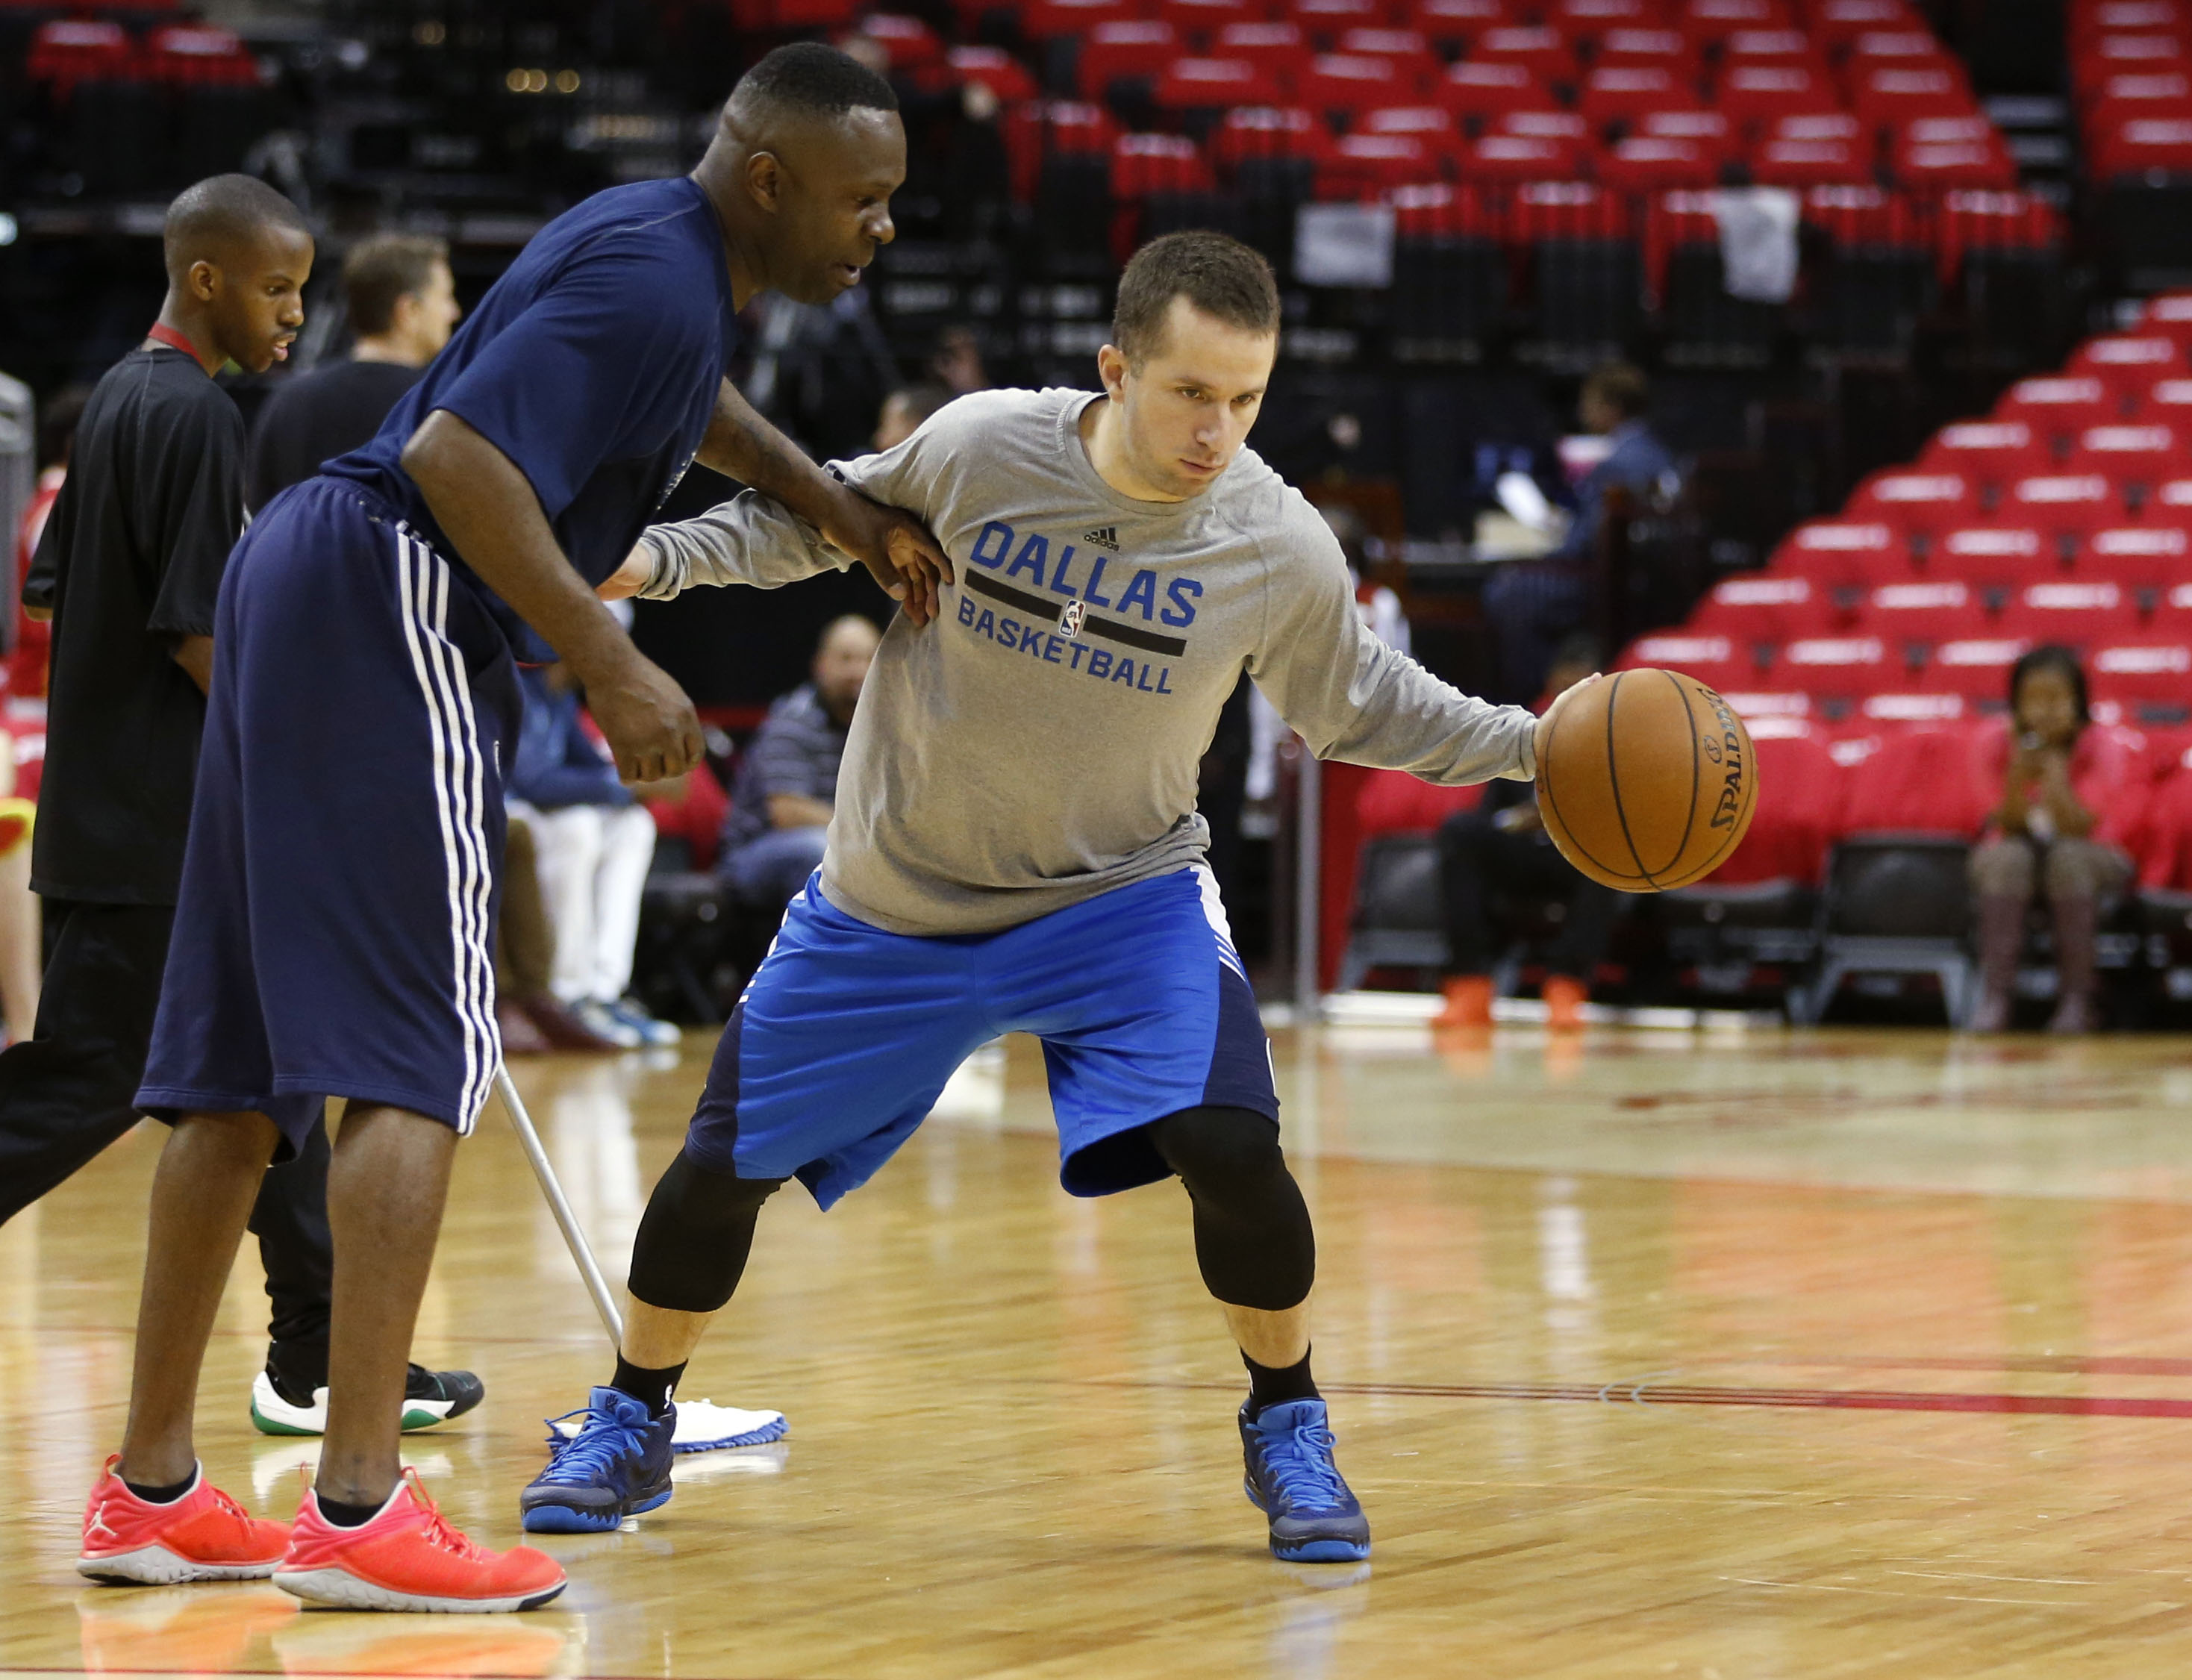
[(1764, 610), (1708, 129), (1611, 93), (1912, 615), (1545, 51), (1367, 166), (1760, 92), (1646, 49), (2058, 408), (1993, 560), (1350, 82), (1479, 91), (1714, 660), (2078, 613), (2138, 558), (2063, 504), (1647, 163), (1890, 95), (1977, 667), (1799, 163), (2131, 454), (1517, 157), (1836, 670), (1920, 503), (1283, 49), (2132, 361), (1215, 84), (1990, 452), (1839, 553), (1456, 23), (1270, 131), (1140, 49), (2143, 674)]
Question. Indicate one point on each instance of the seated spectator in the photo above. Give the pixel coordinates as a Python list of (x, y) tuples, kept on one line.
[(593, 843), (1501, 846), (904, 410), (2066, 799), (786, 787), (1533, 604), (531, 1020)]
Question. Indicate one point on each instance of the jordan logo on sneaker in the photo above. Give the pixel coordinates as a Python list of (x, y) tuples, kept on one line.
[(1104, 536), (1069, 621), (98, 1524)]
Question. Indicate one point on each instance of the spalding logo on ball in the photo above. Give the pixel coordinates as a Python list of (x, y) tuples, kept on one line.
[(1647, 781)]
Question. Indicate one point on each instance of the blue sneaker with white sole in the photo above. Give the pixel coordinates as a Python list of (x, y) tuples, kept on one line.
[(617, 1466), (1292, 1480)]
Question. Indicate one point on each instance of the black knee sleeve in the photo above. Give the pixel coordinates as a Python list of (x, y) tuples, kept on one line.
[(695, 1235), (1252, 1236)]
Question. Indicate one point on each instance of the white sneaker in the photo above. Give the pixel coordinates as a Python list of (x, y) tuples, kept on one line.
[(428, 1397), (703, 1426), (655, 1034), (603, 1021)]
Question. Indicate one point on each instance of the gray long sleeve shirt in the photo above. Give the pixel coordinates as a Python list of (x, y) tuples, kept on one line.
[(1039, 743)]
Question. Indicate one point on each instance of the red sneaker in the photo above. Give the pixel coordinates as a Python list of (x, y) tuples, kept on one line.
[(406, 1557), (204, 1535)]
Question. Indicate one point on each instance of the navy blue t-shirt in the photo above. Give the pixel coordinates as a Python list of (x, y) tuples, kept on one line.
[(593, 363)]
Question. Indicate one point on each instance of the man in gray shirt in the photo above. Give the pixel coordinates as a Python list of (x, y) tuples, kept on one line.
[(1016, 848), (787, 782)]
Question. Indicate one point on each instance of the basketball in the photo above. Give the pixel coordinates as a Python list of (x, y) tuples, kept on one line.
[(1647, 781)]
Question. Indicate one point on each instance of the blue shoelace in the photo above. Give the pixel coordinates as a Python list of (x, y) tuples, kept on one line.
[(1300, 1464), (593, 1452)]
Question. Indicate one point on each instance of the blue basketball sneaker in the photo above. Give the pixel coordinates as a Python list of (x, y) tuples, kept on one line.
[(1293, 1481), (617, 1466)]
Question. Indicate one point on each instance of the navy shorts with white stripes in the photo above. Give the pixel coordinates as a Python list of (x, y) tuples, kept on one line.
[(334, 933)]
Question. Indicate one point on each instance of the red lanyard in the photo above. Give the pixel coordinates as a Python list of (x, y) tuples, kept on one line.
[(173, 339)]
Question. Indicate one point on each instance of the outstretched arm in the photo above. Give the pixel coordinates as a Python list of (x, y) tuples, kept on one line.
[(1353, 697), (891, 543), (488, 509)]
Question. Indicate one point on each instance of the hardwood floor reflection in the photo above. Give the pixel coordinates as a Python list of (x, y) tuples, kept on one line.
[(1748, 1355)]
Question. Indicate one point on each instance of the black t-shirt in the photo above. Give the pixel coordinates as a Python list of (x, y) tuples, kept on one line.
[(317, 416), (131, 562)]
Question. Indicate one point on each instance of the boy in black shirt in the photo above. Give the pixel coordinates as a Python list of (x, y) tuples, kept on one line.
[(128, 568)]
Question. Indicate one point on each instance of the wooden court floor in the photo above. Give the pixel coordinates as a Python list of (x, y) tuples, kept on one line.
[(1752, 1356)]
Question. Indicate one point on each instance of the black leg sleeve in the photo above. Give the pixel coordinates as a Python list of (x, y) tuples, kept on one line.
[(1252, 1236), (295, 1245), (71, 1089), (695, 1235), (1587, 930)]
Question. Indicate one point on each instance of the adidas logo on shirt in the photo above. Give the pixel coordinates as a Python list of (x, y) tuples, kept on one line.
[(1104, 536)]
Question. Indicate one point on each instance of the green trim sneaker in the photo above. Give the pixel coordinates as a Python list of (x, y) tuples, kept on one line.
[(430, 1397)]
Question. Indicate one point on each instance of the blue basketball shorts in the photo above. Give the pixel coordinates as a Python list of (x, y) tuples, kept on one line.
[(335, 931), (847, 1034)]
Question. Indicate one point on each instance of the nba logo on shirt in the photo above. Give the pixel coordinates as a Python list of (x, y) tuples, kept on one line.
[(1069, 621)]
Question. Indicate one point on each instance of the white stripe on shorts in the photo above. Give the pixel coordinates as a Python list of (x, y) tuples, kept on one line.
[(1214, 910), (459, 793)]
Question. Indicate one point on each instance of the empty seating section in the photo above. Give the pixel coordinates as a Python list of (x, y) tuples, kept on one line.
[(2131, 75), (1854, 104), (1886, 635)]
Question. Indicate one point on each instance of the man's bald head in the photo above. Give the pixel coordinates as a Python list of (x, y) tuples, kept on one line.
[(842, 658), (222, 216)]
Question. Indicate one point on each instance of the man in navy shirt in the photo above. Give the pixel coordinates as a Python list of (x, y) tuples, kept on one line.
[(332, 934)]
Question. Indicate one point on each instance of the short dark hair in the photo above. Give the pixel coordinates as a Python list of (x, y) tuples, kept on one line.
[(383, 270), (808, 76), (2052, 656), (1213, 271), (1622, 385), (216, 214)]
